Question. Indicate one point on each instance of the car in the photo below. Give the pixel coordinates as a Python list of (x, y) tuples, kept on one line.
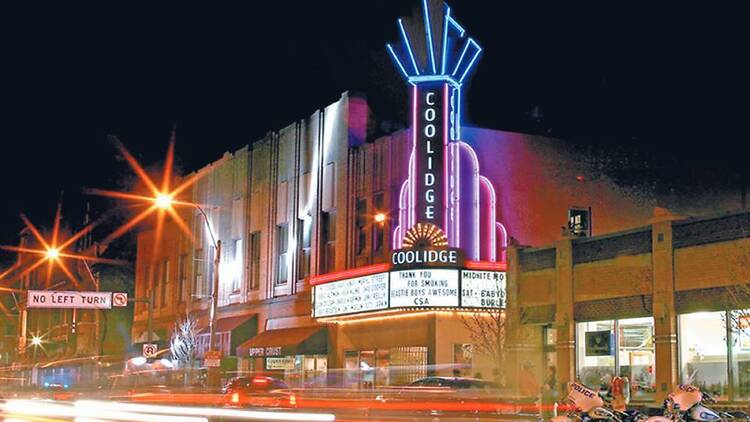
[(457, 383), (258, 391)]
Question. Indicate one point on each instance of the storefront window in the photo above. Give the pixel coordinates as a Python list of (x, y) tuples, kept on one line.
[(394, 366), (367, 368), (741, 353), (550, 354), (351, 368), (382, 362), (463, 355), (596, 358), (703, 352), (636, 355)]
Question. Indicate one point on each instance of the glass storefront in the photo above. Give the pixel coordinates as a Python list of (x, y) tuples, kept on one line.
[(393, 366), (708, 360), (703, 352), (596, 359), (622, 347), (297, 370), (741, 355)]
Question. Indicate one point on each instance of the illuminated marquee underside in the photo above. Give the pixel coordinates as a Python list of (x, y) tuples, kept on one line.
[(444, 186), (424, 288)]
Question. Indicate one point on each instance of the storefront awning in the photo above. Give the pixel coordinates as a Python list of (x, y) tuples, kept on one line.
[(311, 340), (228, 324), (240, 329)]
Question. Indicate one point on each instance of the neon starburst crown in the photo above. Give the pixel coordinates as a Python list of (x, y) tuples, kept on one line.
[(434, 47)]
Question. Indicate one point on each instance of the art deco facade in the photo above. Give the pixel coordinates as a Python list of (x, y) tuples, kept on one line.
[(302, 202)]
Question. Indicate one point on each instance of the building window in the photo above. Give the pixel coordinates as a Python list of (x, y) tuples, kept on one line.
[(596, 356), (622, 347), (143, 287), (182, 277), (740, 355), (328, 240), (361, 224), (304, 226), (378, 228), (636, 355), (254, 260), (237, 264), (463, 356), (211, 268), (156, 284), (199, 282), (704, 352), (282, 272), (165, 283)]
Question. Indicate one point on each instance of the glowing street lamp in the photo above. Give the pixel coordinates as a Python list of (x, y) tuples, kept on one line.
[(53, 253), (163, 201), (380, 218), (36, 341)]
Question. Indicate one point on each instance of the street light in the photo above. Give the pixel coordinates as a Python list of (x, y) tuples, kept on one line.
[(215, 286), (163, 201), (380, 218), (166, 202), (53, 253), (36, 341)]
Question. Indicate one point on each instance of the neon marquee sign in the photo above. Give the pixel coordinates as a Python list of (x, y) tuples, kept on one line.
[(444, 188)]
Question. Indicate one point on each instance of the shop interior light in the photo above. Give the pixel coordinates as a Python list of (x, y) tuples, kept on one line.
[(138, 360)]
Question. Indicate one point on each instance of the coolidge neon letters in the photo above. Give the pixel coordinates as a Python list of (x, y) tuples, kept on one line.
[(444, 256), (430, 149)]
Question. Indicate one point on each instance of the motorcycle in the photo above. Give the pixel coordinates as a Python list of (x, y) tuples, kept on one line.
[(689, 404), (582, 404)]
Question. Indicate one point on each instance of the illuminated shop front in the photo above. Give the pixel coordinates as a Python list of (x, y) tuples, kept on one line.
[(654, 304), (298, 354)]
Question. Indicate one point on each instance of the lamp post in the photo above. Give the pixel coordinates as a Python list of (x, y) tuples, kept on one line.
[(215, 281), (165, 201)]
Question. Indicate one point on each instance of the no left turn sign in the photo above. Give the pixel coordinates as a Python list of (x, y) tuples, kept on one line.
[(149, 350), (119, 299)]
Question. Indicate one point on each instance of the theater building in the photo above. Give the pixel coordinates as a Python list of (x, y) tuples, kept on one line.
[(345, 249)]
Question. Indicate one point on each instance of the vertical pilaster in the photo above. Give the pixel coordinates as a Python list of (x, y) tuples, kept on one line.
[(665, 317), (564, 318), (513, 347)]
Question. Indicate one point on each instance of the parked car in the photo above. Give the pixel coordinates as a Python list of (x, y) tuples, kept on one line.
[(258, 391), (457, 383)]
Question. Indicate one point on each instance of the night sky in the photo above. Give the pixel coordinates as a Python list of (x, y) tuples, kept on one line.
[(664, 83)]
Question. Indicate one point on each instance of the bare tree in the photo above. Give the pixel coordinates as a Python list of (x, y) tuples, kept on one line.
[(487, 329), (183, 342)]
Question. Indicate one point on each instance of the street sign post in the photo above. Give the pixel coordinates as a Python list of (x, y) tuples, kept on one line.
[(69, 299), (119, 299), (149, 350), (212, 359)]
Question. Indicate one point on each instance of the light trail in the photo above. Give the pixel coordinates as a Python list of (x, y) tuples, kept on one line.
[(92, 407)]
